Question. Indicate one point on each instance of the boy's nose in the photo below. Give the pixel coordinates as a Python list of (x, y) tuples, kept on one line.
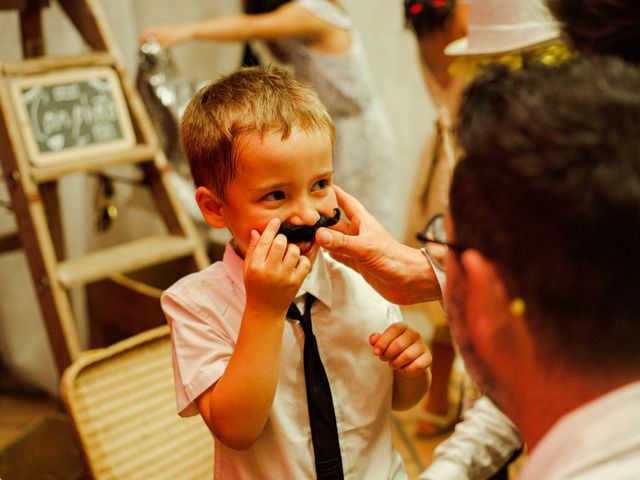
[(304, 214)]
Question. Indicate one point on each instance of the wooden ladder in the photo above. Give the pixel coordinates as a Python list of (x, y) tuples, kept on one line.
[(33, 186)]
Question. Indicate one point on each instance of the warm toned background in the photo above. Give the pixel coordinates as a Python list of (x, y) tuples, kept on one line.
[(392, 58)]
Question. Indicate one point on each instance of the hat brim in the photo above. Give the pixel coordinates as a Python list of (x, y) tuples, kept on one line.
[(461, 47)]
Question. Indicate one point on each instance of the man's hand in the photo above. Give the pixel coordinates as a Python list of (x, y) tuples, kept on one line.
[(399, 273), (273, 271)]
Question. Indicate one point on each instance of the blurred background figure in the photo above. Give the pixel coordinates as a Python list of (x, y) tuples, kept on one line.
[(436, 23), (610, 27), (455, 41), (318, 40)]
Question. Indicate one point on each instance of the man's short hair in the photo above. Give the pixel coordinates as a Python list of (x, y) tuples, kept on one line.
[(258, 100), (549, 190), (601, 26)]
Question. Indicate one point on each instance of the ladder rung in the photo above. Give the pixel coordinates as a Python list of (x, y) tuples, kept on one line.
[(136, 154), (34, 66), (123, 258)]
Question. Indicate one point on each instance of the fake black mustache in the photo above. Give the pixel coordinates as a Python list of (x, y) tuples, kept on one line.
[(306, 233)]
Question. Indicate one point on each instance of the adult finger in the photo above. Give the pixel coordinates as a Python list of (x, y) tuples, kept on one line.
[(336, 242), (349, 204)]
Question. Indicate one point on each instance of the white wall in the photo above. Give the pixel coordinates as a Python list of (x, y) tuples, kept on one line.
[(392, 57)]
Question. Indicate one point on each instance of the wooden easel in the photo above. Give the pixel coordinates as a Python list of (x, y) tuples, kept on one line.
[(33, 188)]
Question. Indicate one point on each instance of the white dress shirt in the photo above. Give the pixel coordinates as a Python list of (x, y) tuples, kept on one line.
[(204, 311), (482, 443), (598, 441)]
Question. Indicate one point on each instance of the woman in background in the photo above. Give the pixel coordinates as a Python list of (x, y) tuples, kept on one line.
[(317, 38), (436, 23)]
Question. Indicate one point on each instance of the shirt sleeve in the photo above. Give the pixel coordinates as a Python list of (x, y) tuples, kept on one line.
[(480, 445), (200, 351)]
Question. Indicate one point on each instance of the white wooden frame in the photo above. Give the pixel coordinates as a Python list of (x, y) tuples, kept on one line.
[(18, 86)]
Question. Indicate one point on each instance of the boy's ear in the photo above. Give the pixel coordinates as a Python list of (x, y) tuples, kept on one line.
[(211, 207)]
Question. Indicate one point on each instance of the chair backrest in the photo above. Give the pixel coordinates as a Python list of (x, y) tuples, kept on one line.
[(121, 402)]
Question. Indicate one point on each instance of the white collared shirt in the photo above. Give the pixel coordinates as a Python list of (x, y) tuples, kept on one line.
[(598, 441), (482, 443), (204, 311)]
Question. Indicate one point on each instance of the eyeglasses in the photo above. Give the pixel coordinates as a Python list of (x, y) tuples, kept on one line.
[(434, 237)]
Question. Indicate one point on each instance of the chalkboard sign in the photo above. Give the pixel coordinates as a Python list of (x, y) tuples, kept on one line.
[(70, 115)]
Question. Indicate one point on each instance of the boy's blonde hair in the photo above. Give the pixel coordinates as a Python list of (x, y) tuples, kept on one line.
[(256, 99)]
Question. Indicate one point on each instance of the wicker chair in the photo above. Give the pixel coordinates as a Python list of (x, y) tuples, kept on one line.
[(121, 402)]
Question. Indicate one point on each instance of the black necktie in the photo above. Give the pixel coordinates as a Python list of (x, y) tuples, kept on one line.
[(324, 431)]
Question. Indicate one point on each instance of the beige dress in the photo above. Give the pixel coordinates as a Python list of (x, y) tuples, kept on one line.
[(430, 192)]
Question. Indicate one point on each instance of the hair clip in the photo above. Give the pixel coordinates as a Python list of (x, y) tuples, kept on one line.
[(415, 9), (517, 307)]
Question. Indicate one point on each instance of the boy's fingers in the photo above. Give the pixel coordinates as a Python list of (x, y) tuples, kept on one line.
[(291, 256), (397, 347), (389, 335), (253, 242), (303, 267), (261, 250), (277, 251), (417, 366), (404, 356)]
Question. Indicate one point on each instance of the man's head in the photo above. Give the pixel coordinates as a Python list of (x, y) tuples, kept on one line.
[(260, 146), (426, 16), (548, 195), (601, 26)]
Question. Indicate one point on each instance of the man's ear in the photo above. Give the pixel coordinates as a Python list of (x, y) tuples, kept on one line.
[(487, 299), (211, 207)]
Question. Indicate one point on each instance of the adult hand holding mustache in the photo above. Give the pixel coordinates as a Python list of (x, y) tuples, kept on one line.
[(306, 233)]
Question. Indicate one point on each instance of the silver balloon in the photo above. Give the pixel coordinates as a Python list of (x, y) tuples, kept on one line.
[(166, 95)]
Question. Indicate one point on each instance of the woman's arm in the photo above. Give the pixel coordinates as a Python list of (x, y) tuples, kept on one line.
[(289, 20)]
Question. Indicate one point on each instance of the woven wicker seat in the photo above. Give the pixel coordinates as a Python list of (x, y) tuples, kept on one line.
[(121, 401)]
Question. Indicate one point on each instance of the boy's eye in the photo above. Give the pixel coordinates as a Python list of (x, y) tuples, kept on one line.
[(320, 184), (273, 196)]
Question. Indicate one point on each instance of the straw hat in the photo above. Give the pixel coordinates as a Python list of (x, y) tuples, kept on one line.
[(503, 26)]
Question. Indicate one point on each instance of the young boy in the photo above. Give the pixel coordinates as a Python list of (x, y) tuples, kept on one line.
[(259, 145)]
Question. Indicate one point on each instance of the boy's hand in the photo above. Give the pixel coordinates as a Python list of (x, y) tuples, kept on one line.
[(273, 271), (403, 348)]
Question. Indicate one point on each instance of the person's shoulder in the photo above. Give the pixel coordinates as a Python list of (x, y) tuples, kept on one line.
[(210, 279), (327, 10)]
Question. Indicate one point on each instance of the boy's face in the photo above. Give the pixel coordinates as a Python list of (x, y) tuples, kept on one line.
[(289, 179)]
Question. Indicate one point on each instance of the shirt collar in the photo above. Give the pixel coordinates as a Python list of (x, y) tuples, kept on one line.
[(317, 283), (578, 431)]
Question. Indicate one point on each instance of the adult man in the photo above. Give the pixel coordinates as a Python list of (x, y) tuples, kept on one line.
[(542, 274)]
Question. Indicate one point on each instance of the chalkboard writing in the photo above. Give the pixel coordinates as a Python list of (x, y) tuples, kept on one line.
[(72, 114)]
